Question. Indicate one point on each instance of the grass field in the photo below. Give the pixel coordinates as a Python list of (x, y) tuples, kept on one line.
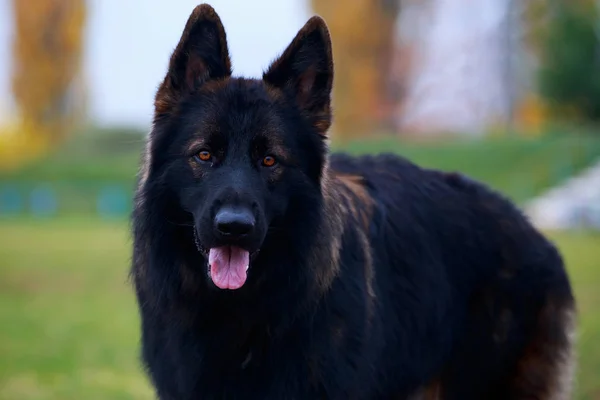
[(69, 324)]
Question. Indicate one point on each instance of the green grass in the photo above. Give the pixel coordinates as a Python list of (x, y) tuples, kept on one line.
[(69, 323), (68, 317), (91, 155)]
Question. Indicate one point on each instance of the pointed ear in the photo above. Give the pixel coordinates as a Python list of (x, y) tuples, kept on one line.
[(305, 71), (201, 55)]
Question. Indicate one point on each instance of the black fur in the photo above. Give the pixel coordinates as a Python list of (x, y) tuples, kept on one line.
[(371, 277)]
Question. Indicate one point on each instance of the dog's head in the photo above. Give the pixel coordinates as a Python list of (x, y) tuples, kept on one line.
[(238, 153)]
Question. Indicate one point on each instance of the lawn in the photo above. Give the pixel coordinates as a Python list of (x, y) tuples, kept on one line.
[(68, 317), (70, 325)]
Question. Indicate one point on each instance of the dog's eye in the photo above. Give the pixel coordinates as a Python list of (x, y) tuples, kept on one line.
[(204, 156), (268, 161)]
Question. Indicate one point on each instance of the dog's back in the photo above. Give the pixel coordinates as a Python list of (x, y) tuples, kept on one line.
[(471, 294)]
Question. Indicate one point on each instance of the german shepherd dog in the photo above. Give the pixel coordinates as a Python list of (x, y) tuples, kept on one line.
[(267, 268)]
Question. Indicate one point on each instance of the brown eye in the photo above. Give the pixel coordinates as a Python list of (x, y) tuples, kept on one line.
[(268, 161), (204, 155)]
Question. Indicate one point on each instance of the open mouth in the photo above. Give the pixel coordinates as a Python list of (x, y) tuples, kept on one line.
[(227, 265)]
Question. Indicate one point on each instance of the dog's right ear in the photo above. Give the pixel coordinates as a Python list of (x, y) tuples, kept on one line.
[(201, 55)]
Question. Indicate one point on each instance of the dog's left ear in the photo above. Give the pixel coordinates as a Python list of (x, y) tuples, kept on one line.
[(305, 71)]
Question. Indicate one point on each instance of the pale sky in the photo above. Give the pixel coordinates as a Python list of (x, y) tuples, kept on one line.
[(128, 44)]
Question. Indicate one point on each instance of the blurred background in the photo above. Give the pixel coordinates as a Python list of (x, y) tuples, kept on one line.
[(507, 91)]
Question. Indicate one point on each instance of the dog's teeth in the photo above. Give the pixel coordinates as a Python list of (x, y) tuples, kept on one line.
[(247, 266)]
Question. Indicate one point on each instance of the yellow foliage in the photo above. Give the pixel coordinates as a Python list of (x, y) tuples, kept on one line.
[(362, 35), (47, 49), (531, 115), (20, 144)]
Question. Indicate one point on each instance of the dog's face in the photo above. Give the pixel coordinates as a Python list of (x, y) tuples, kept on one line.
[(237, 153)]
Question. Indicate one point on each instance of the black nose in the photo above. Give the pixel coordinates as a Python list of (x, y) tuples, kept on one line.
[(234, 222)]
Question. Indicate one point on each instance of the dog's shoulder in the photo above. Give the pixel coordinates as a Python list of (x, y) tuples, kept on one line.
[(388, 174)]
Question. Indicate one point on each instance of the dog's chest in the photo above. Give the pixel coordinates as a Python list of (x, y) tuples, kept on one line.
[(270, 375)]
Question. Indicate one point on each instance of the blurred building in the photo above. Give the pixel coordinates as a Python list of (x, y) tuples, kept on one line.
[(457, 64)]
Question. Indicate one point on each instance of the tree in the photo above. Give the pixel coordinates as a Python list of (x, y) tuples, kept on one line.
[(362, 35), (47, 51), (568, 76)]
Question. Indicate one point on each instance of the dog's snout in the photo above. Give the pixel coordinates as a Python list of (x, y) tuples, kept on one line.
[(234, 222)]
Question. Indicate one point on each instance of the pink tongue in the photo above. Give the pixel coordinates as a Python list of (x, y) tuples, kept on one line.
[(228, 266)]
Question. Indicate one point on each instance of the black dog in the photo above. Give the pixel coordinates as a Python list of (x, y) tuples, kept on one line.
[(266, 269)]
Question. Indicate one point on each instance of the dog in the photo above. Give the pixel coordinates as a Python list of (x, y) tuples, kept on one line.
[(267, 268)]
